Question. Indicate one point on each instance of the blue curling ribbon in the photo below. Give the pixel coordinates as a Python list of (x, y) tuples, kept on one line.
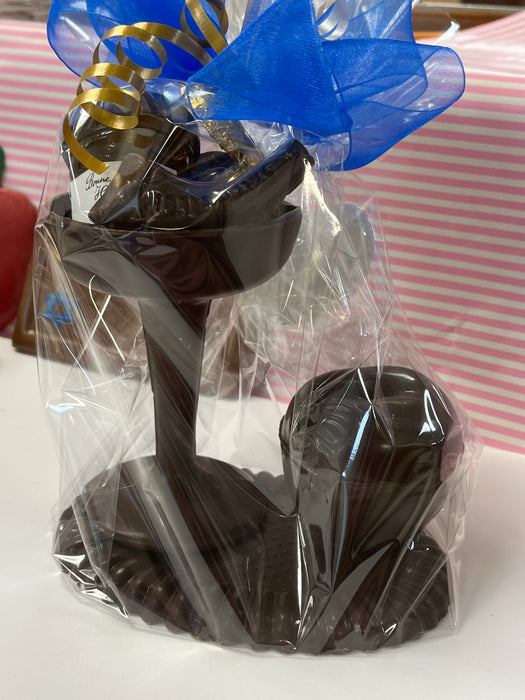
[(354, 70)]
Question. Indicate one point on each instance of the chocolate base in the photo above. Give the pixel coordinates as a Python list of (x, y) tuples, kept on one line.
[(333, 559), (389, 606)]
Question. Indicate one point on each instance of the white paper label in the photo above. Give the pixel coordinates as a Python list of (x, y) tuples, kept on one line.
[(87, 189)]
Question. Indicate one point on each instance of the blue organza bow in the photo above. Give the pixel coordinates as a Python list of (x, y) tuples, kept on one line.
[(355, 70)]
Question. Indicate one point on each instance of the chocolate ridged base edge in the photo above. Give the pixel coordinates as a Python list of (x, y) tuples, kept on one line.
[(139, 583)]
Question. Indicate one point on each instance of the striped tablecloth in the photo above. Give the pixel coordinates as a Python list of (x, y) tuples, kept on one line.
[(35, 90), (452, 203), (451, 196)]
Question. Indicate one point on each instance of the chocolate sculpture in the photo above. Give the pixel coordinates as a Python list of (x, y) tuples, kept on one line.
[(338, 551), (212, 549)]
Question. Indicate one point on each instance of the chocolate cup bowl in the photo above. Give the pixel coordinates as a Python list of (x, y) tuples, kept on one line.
[(185, 265)]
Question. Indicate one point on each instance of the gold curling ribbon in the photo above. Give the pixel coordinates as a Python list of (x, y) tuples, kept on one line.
[(213, 37), (134, 75)]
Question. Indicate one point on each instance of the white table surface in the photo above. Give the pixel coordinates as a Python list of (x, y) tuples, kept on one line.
[(54, 646)]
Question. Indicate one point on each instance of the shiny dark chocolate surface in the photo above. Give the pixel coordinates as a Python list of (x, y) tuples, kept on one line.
[(376, 441), (330, 556), (157, 139)]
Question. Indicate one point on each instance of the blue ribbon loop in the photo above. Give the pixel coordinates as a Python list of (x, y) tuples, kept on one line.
[(354, 71)]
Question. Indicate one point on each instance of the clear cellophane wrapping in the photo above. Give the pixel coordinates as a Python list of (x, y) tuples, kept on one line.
[(253, 449)]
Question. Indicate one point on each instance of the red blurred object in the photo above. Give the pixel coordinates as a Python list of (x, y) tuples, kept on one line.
[(17, 221)]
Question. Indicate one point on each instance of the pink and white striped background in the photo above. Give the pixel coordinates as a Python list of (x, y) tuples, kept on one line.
[(35, 90), (451, 196), (452, 203)]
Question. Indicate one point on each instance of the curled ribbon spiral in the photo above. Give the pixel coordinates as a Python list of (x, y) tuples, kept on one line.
[(212, 37), (127, 95)]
